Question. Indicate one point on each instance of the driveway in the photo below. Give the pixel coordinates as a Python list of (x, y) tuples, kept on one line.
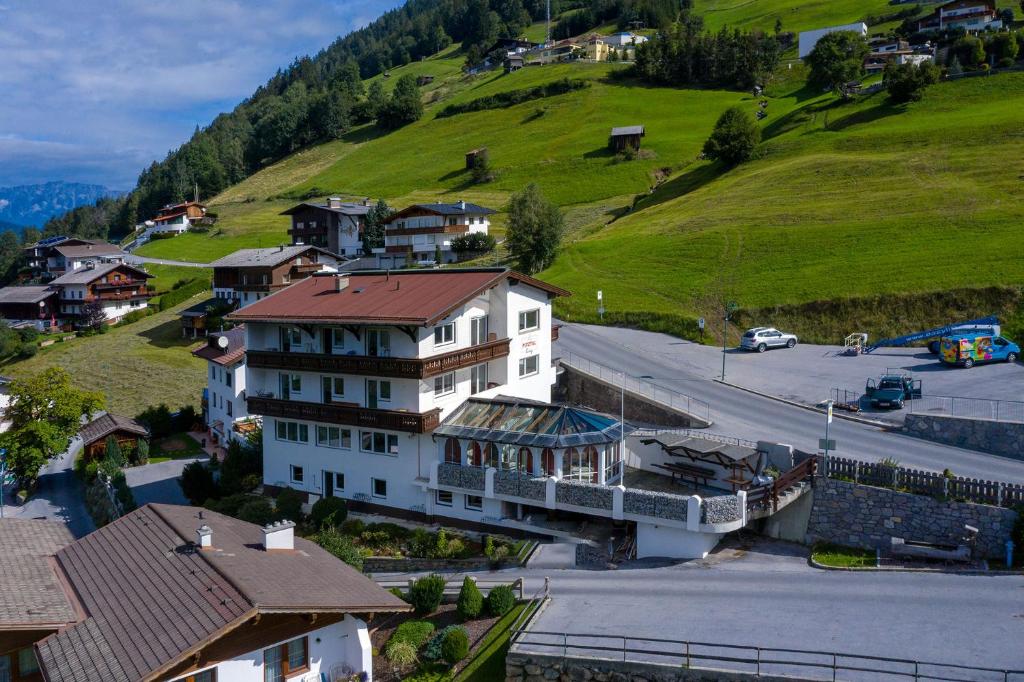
[(58, 496), (158, 482)]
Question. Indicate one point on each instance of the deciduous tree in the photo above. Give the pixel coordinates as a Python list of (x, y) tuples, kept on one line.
[(734, 138), (535, 227), (837, 59), (907, 82)]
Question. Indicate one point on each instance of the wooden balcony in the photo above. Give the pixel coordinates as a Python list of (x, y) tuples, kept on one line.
[(368, 365), (348, 415), (398, 248), (434, 229)]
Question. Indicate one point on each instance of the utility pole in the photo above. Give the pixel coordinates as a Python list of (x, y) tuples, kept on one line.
[(730, 308), (622, 431), (3, 478), (547, 41)]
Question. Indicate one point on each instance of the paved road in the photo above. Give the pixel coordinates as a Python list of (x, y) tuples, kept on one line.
[(675, 364), (157, 482), (59, 496)]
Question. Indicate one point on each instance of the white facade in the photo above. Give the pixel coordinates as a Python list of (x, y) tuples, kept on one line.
[(343, 647), (808, 39), (392, 468), (625, 39), (404, 249), (225, 395), (74, 296)]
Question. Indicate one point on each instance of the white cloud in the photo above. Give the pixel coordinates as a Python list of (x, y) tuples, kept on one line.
[(103, 89)]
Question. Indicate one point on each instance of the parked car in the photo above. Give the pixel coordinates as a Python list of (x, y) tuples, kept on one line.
[(892, 390), (968, 349), (763, 338)]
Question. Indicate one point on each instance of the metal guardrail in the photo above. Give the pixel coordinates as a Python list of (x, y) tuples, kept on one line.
[(749, 660), (651, 391), (453, 587), (969, 408), (697, 433)]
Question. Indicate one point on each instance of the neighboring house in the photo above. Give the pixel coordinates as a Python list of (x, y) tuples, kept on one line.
[(38, 305), (224, 409), (513, 63), (353, 373), (248, 275), (118, 288), (195, 320), (181, 594), (414, 234), (626, 137), (561, 51), (56, 256), (970, 15), (336, 226), (625, 39), (808, 39), (179, 217), (34, 602), (125, 430), (876, 61)]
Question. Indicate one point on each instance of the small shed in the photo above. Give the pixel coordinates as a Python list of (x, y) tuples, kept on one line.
[(126, 430), (514, 62), (472, 155), (424, 80), (627, 137)]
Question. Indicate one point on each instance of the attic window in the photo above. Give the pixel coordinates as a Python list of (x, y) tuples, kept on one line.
[(357, 291)]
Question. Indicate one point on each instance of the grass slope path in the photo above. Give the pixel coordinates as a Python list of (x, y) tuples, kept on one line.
[(847, 200)]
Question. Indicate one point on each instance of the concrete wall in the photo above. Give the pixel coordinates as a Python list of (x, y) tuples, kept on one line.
[(999, 438), (579, 388), (530, 667), (864, 516)]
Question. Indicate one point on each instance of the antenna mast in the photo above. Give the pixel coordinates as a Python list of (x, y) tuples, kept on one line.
[(548, 41)]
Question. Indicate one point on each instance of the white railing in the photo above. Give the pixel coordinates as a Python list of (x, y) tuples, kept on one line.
[(641, 387)]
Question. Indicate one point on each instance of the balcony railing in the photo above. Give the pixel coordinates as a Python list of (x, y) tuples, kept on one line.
[(398, 248), (349, 415), (368, 365)]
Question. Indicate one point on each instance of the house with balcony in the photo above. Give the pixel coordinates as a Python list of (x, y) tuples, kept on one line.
[(336, 226), (416, 233), (970, 15), (224, 409), (249, 275), (352, 373), (181, 594), (35, 305), (117, 288), (56, 256)]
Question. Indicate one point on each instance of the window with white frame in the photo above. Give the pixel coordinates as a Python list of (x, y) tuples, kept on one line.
[(444, 498), (379, 487), (292, 432), (529, 365), (474, 502), (297, 473), (478, 379), (291, 336), (529, 320), (384, 391), (336, 386), (337, 339), (444, 334), (444, 384), (334, 437), (229, 403), (378, 442), (290, 383), (227, 377)]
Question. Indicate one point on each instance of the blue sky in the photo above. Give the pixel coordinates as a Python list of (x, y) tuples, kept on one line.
[(95, 90)]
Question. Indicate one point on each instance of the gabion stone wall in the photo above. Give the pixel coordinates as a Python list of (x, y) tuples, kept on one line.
[(456, 476), (583, 494), (655, 504), (720, 509), (518, 484)]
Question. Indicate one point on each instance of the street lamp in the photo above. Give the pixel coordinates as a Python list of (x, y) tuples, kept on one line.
[(730, 308), (600, 304)]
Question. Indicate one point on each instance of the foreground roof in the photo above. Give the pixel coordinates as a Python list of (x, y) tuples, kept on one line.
[(31, 593), (409, 297), (86, 275), (264, 258), (108, 423), (525, 422), (26, 294), (229, 354), (153, 598)]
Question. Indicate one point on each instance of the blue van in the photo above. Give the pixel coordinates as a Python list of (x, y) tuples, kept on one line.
[(969, 349)]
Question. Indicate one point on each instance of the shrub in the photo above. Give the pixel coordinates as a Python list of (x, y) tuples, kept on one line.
[(28, 333), (734, 138), (426, 593), (28, 349), (353, 527), (1005, 63), (257, 510), (340, 546), (421, 543), (142, 452), (157, 419), (393, 530), (184, 419), (398, 593), (471, 601), (511, 98), (907, 82), (229, 505), (400, 654), (455, 646), (500, 600), (413, 632), (288, 505), (182, 292), (474, 242), (240, 465), (197, 483), (328, 511), (432, 652)]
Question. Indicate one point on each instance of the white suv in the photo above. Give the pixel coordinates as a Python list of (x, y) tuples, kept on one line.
[(763, 338)]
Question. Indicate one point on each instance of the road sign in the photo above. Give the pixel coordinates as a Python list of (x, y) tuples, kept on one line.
[(599, 295), (700, 324), (830, 412), (824, 444)]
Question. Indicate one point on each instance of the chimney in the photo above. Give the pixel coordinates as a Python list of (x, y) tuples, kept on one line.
[(279, 536), (340, 282), (334, 202), (366, 201), (204, 537), (462, 204), (280, 247)]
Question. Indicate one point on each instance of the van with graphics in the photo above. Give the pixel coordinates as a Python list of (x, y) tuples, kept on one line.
[(969, 349)]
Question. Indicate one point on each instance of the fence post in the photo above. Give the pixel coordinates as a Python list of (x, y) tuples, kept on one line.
[(915, 670), (623, 649), (565, 645), (547, 586), (999, 494), (759, 661), (687, 653), (833, 667)]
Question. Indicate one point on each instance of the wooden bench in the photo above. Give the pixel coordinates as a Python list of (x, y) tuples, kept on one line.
[(687, 471)]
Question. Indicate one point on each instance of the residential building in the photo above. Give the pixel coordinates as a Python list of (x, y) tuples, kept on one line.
[(352, 373), (34, 603), (970, 15), (179, 217), (56, 256), (876, 61), (625, 39), (560, 51), (416, 233), (118, 288), (513, 63), (808, 39), (196, 319), (183, 594), (37, 306), (125, 430), (224, 409), (336, 226), (248, 275)]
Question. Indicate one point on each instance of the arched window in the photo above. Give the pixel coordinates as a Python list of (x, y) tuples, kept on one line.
[(547, 462), (526, 460), (508, 457), (589, 465), (452, 451), (475, 455), (492, 459), (570, 463)]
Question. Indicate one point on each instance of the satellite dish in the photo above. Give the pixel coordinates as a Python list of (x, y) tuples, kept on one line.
[(222, 341)]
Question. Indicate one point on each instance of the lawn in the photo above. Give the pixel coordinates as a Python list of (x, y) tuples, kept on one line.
[(796, 15), (174, 446), (165, 276), (138, 365), (837, 556)]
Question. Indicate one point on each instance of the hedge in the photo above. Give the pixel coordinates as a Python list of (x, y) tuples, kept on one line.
[(511, 98), (182, 293)]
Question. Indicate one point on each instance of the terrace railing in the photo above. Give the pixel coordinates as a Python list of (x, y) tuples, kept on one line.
[(969, 408)]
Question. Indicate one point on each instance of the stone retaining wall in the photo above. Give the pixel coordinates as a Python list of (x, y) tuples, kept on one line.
[(516, 484), (582, 494), (530, 667), (456, 476), (999, 438), (858, 515), (580, 388), (720, 509), (654, 504)]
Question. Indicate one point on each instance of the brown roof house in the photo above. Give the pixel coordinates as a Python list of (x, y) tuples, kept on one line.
[(35, 304), (35, 600), (178, 594), (224, 409), (248, 275), (125, 430), (336, 226), (116, 287)]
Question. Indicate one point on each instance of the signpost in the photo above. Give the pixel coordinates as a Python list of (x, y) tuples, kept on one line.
[(700, 326), (826, 444), (600, 304), (730, 308)]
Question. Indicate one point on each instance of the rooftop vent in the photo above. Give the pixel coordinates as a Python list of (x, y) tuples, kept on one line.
[(366, 201), (462, 204), (279, 536), (204, 537), (334, 202)]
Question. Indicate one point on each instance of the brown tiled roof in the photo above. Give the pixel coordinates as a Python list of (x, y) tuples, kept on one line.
[(224, 356), (106, 424), (89, 275), (31, 595), (268, 257), (417, 297), (26, 294), (153, 599)]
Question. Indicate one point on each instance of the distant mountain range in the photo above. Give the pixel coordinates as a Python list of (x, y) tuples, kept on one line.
[(35, 204)]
